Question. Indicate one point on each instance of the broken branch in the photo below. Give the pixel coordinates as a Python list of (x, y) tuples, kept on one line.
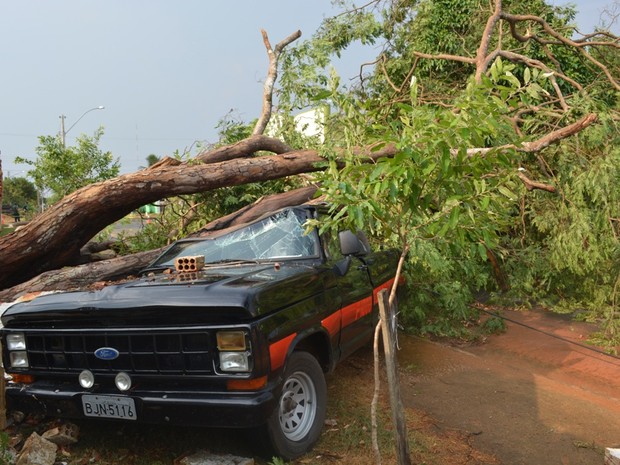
[(272, 75)]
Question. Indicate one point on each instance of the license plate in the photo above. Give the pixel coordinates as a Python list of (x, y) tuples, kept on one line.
[(109, 407)]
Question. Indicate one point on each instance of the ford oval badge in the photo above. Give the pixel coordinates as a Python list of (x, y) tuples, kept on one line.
[(106, 353)]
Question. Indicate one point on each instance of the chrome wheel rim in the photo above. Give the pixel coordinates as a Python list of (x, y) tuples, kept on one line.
[(297, 406)]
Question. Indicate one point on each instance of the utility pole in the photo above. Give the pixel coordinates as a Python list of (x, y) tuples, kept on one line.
[(63, 134)]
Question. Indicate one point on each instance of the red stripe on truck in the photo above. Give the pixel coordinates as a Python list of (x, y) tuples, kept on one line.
[(278, 351)]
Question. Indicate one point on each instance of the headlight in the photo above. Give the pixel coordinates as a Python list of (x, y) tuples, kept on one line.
[(235, 356), (231, 340), (16, 341), (234, 361), (19, 359)]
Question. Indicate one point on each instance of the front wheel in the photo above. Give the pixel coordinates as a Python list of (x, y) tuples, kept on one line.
[(296, 424)]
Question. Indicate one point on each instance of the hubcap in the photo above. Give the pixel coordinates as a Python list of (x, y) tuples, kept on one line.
[(297, 406)]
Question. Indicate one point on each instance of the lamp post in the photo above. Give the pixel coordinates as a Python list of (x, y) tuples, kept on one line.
[(63, 133)]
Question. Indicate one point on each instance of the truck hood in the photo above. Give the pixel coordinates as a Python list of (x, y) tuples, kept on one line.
[(225, 293)]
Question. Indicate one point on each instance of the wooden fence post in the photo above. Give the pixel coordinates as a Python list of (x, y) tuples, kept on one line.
[(396, 403), (2, 397)]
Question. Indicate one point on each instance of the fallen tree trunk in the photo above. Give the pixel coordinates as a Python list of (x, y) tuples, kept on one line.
[(81, 276), (55, 237), (86, 275), (259, 208)]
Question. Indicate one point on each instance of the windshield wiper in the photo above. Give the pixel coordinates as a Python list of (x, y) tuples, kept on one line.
[(234, 261)]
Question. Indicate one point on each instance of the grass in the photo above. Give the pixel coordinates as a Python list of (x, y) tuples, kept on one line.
[(4, 230)]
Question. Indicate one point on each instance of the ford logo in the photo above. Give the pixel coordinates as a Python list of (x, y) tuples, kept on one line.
[(106, 353)]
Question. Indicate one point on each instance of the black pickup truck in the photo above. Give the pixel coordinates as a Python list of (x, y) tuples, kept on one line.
[(233, 330)]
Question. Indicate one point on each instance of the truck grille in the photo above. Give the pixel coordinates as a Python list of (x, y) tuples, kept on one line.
[(166, 353)]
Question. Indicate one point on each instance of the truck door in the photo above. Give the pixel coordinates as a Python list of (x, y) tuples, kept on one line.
[(356, 292), (357, 318)]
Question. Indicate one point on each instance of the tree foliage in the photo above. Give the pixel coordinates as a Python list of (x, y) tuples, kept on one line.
[(463, 88), (61, 170)]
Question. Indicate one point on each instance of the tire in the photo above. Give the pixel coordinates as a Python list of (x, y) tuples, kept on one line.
[(296, 423)]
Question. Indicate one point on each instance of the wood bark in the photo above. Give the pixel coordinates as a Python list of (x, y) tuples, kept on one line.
[(55, 237), (259, 208), (83, 276), (272, 76), (375, 396), (388, 315), (244, 148)]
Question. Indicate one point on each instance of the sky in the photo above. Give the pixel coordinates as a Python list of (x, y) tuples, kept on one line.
[(165, 71)]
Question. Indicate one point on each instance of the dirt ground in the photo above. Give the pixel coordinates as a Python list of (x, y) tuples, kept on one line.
[(534, 395), (537, 394)]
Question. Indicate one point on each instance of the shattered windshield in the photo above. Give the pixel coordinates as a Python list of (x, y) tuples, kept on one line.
[(279, 236)]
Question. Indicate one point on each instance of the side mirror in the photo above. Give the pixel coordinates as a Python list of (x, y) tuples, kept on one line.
[(350, 244)]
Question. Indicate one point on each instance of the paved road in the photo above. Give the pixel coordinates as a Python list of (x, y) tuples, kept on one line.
[(128, 226)]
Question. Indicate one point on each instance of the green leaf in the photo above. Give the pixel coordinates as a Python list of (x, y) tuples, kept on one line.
[(428, 169), (454, 217), (322, 95), (507, 192)]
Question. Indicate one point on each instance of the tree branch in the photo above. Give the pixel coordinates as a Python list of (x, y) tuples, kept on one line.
[(482, 60), (538, 144), (243, 148), (580, 45), (531, 185), (443, 56), (559, 134), (272, 75)]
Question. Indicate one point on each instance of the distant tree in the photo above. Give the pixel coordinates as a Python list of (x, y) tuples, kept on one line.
[(152, 159), (20, 192), (63, 170)]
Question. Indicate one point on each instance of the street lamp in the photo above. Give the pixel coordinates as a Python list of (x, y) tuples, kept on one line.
[(63, 133)]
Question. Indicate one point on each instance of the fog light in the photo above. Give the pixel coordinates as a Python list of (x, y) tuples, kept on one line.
[(122, 381), (87, 379), (234, 361), (16, 341), (19, 359)]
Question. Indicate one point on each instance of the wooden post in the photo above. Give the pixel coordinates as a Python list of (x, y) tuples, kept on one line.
[(398, 413), (2, 398)]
